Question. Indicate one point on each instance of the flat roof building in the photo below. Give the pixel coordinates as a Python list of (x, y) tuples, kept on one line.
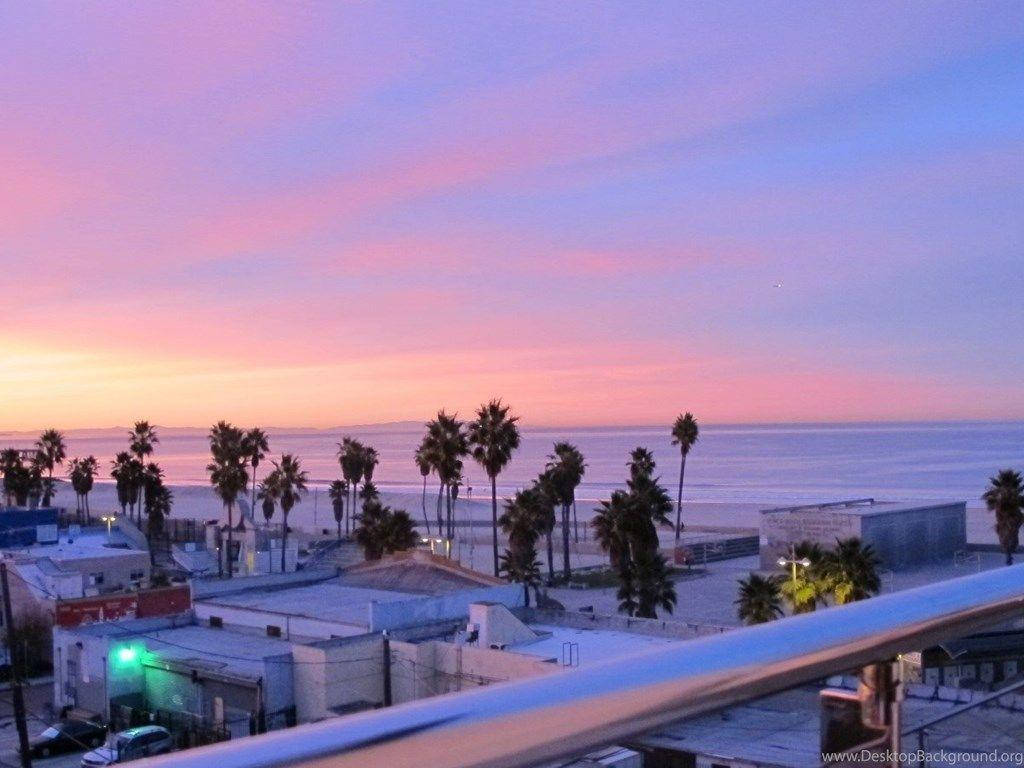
[(903, 534)]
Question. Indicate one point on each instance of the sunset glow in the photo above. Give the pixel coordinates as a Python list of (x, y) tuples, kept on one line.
[(351, 213)]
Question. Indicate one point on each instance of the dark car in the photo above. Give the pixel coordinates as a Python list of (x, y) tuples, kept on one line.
[(68, 736)]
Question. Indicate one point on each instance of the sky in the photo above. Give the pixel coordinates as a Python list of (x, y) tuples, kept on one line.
[(308, 214)]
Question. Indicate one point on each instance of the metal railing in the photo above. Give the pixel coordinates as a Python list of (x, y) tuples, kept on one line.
[(569, 713)]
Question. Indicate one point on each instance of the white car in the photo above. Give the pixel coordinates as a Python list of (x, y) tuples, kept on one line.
[(130, 745)]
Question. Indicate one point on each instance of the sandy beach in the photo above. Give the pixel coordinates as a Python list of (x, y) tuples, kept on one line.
[(313, 513)]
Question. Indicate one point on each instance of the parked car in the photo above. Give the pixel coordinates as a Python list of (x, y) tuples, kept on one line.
[(68, 736), (130, 745)]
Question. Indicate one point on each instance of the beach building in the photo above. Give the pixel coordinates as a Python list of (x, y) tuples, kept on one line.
[(407, 589), (903, 534), (203, 681), (78, 563)]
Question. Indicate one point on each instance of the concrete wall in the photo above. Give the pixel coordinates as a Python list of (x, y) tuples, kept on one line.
[(432, 668), (298, 628), (780, 530), (335, 673), (425, 610), (906, 539), (116, 569), (86, 676)]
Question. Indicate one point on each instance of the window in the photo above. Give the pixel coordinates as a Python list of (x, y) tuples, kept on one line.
[(216, 621), (273, 631), (137, 575), (95, 579)]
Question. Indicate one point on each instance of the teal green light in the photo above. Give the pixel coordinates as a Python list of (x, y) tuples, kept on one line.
[(126, 655)]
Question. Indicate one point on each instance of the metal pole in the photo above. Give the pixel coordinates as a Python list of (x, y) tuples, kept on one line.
[(17, 694), (387, 669)]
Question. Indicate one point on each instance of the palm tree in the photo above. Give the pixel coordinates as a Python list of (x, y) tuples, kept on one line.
[(494, 436), (383, 530), (291, 482), (423, 465), (760, 599), (370, 460), (611, 523), (89, 468), (151, 478), (445, 444), (851, 571), (228, 474), (567, 468), (10, 465), (121, 472), (256, 446), (685, 433), (548, 499), (75, 477), (141, 442), (523, 566), (810, 587), (51, 452), (522, 522), (350, 459), (159, 499), (268, 494), (338, 491), (1005, 497), (654, 586)]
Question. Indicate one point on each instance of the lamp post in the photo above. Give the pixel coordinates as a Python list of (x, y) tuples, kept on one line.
[(792, 562), (108, 519)]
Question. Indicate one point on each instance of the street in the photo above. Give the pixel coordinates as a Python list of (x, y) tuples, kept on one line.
[(37, 698)]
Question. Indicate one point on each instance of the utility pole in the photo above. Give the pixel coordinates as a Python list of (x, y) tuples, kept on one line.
[(387, 669), (17, 694)]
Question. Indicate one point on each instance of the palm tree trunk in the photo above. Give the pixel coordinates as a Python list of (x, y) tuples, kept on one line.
[(679, 499), (565, 542), (440, 516), (551, 558), (526, 593), (424, 502), (575, 523), (448, 508), (230, 552), (494, 530), (252, 496), (284, 536)]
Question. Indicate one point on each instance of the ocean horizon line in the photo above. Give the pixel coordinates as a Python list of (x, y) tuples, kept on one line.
[(414, 424)]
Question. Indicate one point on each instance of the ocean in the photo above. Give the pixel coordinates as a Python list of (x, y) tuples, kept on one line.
[(767, 464)]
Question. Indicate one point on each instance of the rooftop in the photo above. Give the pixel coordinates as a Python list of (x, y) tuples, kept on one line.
[(416, 572), (221, 650), (85, 545), (240, 653), (590, 646), (864, 507), (326, 600)]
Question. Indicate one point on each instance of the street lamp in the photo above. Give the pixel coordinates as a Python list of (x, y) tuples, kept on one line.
[(792, 562), (108, 519), (434, 541)]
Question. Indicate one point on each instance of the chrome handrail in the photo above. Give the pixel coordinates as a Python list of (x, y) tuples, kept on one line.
[(528, 721)]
